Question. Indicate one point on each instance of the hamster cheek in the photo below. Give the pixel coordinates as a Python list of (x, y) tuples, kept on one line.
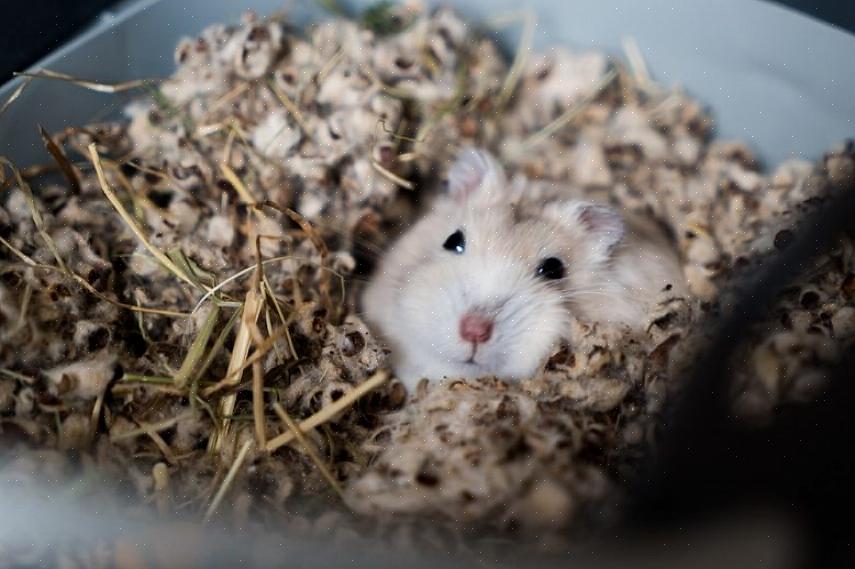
[(429, 314), (539, 321)]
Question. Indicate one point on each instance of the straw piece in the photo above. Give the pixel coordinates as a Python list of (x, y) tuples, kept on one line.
[(38, 220), (309, 448), (227, 481), (88, 286), (152, 379), (232, 376), (245, 271), (162, 495), (23, 256), (197, 348), (61, 160), (406, 184), (258, 403), (529, 21), (129, 220), (15, 94), (25, 379), (243, 340), (39, 223), (331, 410), (304, 224), (570, 114), (218, 345), (164, 448), (238, 184), (86, 84), (25, 305), (636, 62), (290, 106), (95, 417), (146, 428)]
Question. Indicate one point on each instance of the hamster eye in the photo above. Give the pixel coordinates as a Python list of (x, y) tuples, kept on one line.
[(455, 243), (551, 268)]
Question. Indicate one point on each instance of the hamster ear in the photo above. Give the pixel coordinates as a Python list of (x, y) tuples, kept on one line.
[(593, 221), (476, 176)]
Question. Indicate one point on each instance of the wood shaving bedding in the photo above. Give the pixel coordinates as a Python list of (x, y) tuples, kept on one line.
[(336, 123)]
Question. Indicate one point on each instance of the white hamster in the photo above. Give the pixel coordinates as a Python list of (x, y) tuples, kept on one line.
[(485, 285)]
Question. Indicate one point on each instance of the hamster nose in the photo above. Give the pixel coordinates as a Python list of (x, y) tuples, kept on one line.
[(476, 328)]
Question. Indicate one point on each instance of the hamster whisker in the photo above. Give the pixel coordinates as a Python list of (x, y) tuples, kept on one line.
[(509, 317), (584, 290), (587, 293)]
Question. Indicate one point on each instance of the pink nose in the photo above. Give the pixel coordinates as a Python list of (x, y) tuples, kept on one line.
[(476, 328)]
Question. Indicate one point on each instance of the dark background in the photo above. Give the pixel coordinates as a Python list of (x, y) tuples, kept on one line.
[(35, 27)]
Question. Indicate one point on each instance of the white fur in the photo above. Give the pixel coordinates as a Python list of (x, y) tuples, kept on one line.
[(420, 291)]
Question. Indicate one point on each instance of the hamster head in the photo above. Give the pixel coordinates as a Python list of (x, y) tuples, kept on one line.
[(480, 287)]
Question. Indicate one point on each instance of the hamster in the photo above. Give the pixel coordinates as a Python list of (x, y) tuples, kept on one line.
[(485, 285)]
